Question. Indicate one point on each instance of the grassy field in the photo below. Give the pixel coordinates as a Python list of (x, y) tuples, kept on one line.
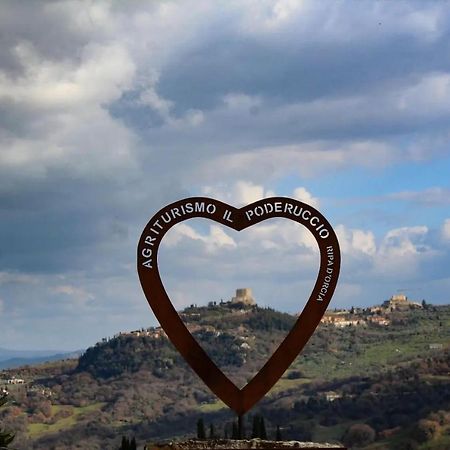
[(284, 384), (400, 345), (330, 434), (212, 407), (76, 414)]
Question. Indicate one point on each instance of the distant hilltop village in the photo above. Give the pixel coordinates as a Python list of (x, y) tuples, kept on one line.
[(243, 302), (240, 303), (377, 315)]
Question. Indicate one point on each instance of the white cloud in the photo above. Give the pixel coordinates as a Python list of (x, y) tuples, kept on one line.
[(150, 97), (17, 278), (93, 18), (354, 241), (281, 234), (405, 241), (303, 195), (401, 252), (446, 230), (240, 193), (430, 94), (306, 160), (425, 23), (430, 196), (100, 75), (76, 292), (215, 239), (242, 102), (66, 127), (111, 110), (284, 9)]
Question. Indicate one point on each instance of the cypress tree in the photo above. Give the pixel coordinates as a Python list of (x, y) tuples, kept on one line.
[(262, 429), (125, 445), (212, 433), (242, 433), (256, 429), (201, 434), (278, 436), (235, 431), (133, 444)]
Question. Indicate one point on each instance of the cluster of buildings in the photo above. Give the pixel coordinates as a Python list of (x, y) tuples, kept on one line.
[(377, 315), (7, 383), (341, 320), (153, 332), (12, 380)]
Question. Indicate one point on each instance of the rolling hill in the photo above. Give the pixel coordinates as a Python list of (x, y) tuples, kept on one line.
[(393, 379)]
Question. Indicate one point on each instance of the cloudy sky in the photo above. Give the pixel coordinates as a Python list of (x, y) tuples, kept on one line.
[(110, 110)]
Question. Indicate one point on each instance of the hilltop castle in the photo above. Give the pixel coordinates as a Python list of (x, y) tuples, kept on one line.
[(400, 302), (245, 296)]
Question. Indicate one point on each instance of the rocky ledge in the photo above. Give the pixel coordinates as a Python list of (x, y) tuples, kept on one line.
[(226, 444)]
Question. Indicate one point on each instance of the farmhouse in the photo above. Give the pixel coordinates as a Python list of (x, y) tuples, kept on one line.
[(15, 380)]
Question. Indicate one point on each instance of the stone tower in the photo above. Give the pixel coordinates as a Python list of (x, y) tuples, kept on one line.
[(245, 296)]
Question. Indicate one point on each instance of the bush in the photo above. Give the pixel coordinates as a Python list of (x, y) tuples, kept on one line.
[(359, 435), (442, 417), (294, 375), (409, 444), (426, 430)]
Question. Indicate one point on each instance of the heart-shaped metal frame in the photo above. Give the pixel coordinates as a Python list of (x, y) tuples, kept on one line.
[(240, 400)]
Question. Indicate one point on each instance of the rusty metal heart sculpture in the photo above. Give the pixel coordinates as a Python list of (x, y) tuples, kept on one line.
[(240, 400)]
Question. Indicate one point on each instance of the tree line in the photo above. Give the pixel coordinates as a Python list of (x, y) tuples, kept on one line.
[(231, 431)]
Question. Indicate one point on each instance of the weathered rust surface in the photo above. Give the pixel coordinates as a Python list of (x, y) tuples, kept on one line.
[(240, 400)]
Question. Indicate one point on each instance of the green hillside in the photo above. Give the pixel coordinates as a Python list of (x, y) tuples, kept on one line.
[(391, 382)]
